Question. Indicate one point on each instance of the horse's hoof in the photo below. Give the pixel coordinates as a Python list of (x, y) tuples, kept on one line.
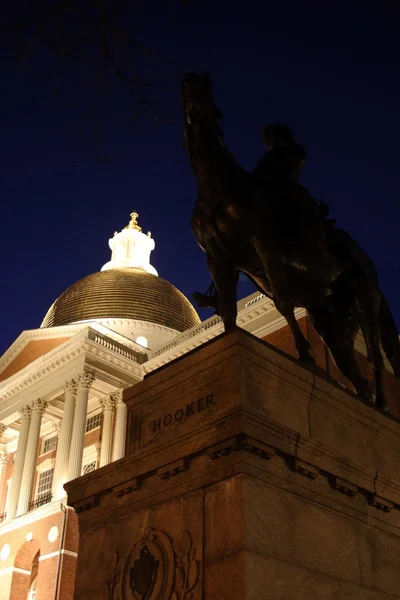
[(307, 359), (381, 404), (366, 395)]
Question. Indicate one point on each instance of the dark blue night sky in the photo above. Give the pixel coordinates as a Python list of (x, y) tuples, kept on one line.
[(330, 70)]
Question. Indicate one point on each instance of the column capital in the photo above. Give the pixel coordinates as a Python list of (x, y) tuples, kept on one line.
[(85, 379), (3, 429), (108, 402), (4, 457), (39, 406), (117, 395), (25, 411), (71, 386)]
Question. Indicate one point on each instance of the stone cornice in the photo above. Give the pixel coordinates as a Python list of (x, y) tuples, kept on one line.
[(30, 374), (286, 449), (65, 354), (36, 335), (60, 355), (35, 515), (109, 356), (249, 309)]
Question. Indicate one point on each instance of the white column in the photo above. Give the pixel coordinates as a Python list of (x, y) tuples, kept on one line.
[(64, 440), (28, 475), (97, 446), (7, 502), (120, 426), (4, 458), (84, 382), (12, 501), (108, 404)]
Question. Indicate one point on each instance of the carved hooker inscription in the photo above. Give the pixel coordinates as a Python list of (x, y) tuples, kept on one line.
[(183, 413)]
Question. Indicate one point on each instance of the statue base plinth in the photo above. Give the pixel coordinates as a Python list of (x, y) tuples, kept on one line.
[(247, 476)]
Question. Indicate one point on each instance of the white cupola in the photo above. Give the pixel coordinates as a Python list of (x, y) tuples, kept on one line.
[(131, 248)]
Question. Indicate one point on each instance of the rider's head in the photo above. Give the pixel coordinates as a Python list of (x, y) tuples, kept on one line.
[(277, 135)]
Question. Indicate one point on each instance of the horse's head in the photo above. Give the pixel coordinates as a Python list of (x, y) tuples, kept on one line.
[(197, 98)]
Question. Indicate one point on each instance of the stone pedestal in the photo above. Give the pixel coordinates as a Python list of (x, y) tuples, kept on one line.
[(247, 477)]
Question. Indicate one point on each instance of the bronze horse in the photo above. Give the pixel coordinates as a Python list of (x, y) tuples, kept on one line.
[(276, 235)]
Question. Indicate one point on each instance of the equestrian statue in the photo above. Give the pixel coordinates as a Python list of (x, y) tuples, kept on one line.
[(266, 225)]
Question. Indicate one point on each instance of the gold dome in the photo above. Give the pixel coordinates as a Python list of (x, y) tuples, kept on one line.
[(123, 294)]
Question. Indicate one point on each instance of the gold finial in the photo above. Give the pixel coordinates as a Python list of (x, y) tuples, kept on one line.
[(133, 224)]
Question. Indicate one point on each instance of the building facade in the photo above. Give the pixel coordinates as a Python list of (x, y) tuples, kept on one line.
[(61, 409)]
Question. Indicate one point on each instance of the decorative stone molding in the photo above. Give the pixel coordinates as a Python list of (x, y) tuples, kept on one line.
[(108, 403), (18, 382), (344, 487), (86, 504), (117, 395), (71, 386), (245, 443), (127, 488), (39, 406), (38, 374), (4, 457), (37, 335), (125, 364), (156, 567), (240, 442), (25, 411), (3, 429), (85, 379), (256, 447), (305, 469), (173, 469), (381, 503)]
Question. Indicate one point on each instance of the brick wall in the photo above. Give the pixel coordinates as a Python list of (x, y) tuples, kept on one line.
[(14, 584)]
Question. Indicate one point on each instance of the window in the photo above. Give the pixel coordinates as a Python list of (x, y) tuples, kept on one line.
[(93, 422), (44, 484), (89, 467), (49, 444)]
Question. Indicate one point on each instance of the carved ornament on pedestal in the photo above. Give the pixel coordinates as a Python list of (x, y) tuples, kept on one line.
[(156, 569)]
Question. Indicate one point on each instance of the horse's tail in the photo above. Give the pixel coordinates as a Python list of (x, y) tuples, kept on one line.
[(389, 336)]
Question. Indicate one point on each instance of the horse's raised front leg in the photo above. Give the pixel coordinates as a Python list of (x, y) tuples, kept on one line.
[(225, 279), (282, 297)]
